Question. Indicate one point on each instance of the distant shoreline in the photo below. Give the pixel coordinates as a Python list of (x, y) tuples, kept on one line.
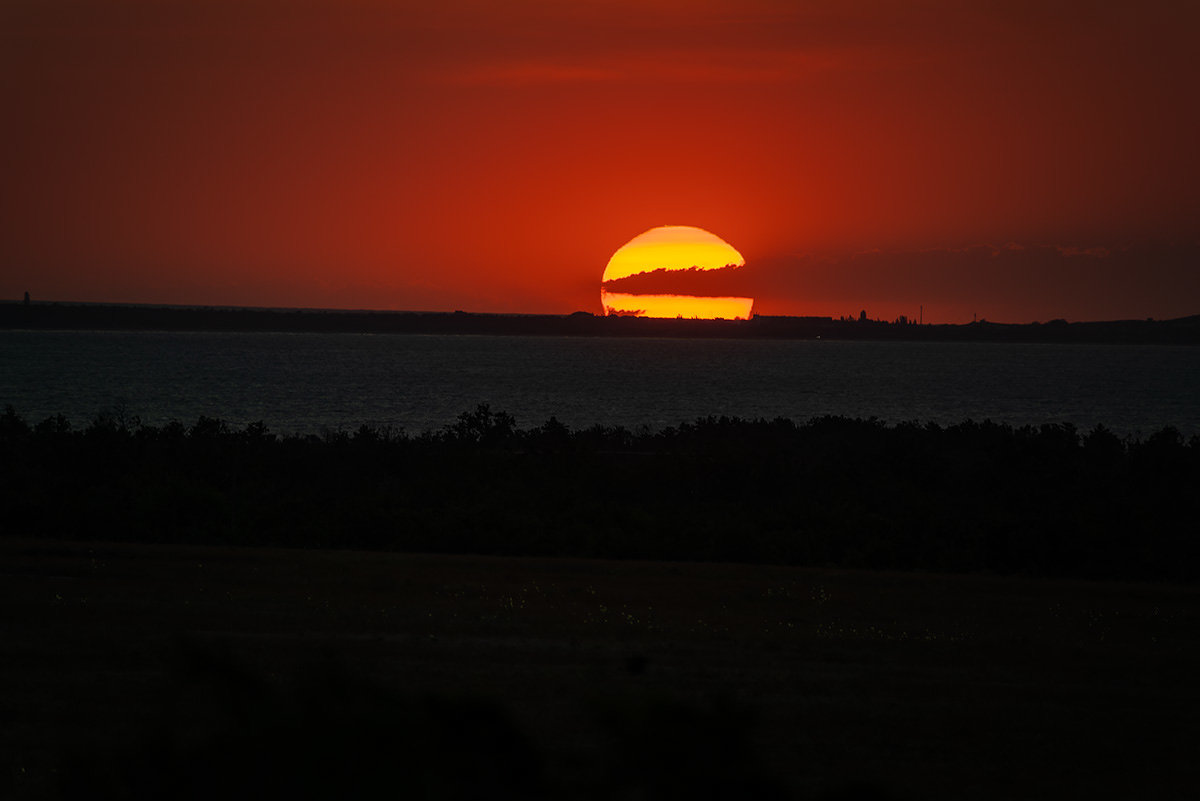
[(46, 316)]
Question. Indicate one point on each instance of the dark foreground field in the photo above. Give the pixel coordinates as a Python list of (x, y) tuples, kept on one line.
[(182, 671)]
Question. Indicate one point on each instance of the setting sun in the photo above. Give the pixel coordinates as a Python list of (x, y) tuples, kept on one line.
[(687, 306), (673, 248)]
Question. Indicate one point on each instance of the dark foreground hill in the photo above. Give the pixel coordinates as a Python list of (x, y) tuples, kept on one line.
[(188, 672), (832, 492)]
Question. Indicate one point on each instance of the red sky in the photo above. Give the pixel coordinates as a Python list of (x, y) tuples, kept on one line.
[(1014, 160)]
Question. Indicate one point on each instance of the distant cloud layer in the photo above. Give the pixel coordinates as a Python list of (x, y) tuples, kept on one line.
[(1009, 283), (720, 65)]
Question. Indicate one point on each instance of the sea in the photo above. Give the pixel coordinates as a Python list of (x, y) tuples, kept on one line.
[(313, 383)]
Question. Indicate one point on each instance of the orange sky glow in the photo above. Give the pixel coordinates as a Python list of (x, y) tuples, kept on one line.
[(1012, 160)]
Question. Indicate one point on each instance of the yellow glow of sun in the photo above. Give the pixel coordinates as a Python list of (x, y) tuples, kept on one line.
[(673, 247)]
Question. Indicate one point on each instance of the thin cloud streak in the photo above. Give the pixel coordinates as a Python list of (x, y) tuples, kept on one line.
[(730, 66)]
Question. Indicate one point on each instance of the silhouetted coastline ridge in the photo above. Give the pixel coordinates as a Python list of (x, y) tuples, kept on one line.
[(137, 317)]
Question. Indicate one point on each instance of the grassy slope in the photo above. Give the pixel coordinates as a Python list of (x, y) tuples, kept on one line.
[(621, 674)]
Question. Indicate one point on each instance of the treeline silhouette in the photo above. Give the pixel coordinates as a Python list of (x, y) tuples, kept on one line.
[(833, 491), (135, 317)]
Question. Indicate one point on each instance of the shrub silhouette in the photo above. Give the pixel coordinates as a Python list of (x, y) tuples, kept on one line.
[(226, 733), (661, 748)]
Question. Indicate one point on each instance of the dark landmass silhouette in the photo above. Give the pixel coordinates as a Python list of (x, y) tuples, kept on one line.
[(428, 630), (133, 317), (831, 492)]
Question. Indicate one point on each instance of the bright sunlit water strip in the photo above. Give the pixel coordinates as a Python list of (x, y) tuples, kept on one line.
[(315, 382)]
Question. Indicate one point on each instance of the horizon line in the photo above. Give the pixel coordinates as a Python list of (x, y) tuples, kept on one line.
[(360, 310)]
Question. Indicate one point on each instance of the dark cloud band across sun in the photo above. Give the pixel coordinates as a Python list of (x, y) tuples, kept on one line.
[(1010, 283)]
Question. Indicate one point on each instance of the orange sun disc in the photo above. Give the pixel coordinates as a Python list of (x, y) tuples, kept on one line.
[(672, 248)]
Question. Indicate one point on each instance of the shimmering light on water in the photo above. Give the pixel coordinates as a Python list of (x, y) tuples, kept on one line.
[(314, 382)]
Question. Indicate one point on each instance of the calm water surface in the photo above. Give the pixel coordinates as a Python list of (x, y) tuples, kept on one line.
[(315, 382)]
